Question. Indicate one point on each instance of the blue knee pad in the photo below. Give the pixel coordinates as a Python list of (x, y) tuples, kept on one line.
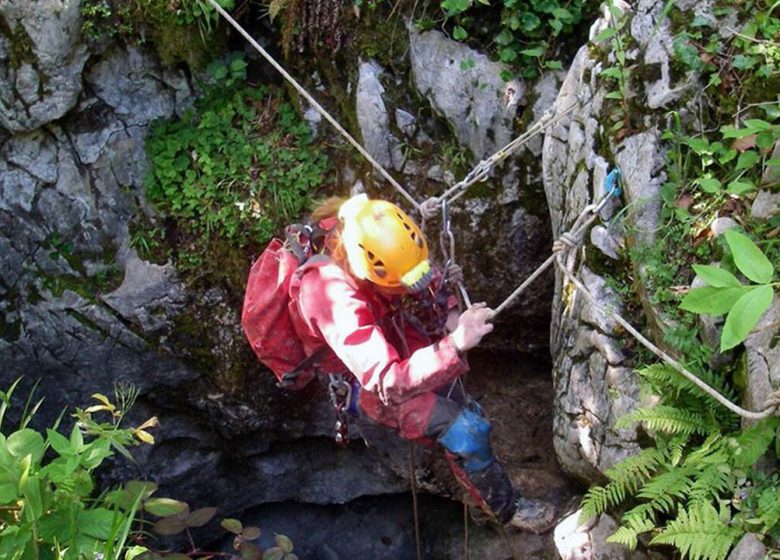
[(469, 437)]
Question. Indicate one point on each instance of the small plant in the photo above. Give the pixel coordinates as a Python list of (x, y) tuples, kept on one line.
[(619, 72), (46, 505), (725, 294), (234, 169), (526, 33)]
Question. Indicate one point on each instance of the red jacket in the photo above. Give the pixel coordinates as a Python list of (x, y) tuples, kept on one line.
[(331, 307)]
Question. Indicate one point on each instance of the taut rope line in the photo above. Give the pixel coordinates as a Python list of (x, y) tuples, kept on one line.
[(313, 102)]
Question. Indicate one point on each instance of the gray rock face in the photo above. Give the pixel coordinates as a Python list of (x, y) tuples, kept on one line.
[(373, 118), (41, 60), (464, 86), (748, 548), (763, 360), (595, 385)]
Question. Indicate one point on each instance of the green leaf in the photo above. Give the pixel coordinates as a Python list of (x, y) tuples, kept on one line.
[(251, 533), (96, 523), (744, 315), (615, 95), (529, 21), (716, 277), (508, 54), (731, 132), (200, 517), (163, 507), (744, 62), (8, 492), (709, 184), (748, 257), (453, 7), (554, 65), (712, 301), (59, 443), (606, 34), (534, 52), (169, 526), (459, 33), (232, 525), (747, 159), (765, 139), (758, 124), (26, 442), (504, 38), (740, 187), (284, 542), (611, 72)]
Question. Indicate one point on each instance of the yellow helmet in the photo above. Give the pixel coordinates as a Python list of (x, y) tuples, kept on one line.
[(384, 245)]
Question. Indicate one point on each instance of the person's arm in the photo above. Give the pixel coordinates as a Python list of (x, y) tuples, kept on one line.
[(341, 315)]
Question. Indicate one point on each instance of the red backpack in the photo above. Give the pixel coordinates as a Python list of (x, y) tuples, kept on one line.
[(265, 317)]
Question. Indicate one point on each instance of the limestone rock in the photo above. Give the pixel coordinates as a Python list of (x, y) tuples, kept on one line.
[(588, 540), (464, 86), (373, 117), (41, 61), (748, 548)]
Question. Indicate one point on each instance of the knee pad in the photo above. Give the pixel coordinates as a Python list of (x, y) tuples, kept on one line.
[(468, 437)]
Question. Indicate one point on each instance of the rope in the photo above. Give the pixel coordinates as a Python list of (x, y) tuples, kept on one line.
[(414, 502), (465, 531), (771, 405), (316, 105), (564, 246), (481, 170)]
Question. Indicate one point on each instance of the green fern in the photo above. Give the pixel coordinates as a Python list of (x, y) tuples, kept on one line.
[(625, 479), (711, 482), (670, 420), (699, 533), (663, 490), (749, 446), (665, 376), (628, 534)]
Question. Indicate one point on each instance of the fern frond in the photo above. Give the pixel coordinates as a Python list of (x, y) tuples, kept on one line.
[(675, 448), (665, 376), (750, 445), (625, 479), (713, 451), (627, 534), (711, 482), (670, 420), (699, 533), (664, 489)]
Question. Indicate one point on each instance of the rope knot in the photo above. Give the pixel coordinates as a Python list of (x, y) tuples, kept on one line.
[(565, 242), (772, 404)]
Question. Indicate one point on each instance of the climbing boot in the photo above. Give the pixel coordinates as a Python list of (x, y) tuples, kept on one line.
[(533, 515)]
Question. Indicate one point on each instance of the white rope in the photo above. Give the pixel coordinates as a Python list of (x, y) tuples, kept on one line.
[(316, 105), (571, 240)]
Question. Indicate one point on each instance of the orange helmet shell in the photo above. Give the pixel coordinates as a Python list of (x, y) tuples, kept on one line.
[(383, 244)]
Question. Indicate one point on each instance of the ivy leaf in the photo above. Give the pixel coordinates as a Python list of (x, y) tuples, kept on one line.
[(716, 277), (748, 257), (712, 301), (744, 315)]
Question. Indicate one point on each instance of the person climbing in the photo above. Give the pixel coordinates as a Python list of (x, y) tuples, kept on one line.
[(348, 311)]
